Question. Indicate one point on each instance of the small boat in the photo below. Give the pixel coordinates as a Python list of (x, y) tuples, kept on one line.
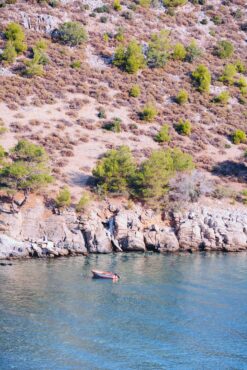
[(105, 275)]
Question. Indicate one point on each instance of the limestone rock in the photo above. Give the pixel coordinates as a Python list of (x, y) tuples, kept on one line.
[(12, 248), (163, 240)]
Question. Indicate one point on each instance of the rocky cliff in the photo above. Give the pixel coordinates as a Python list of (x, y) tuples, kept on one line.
[(36, 231)]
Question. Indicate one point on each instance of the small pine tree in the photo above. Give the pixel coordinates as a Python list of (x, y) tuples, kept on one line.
[(228, 74), (183, 127), (182, 97), (9, 53), (163, 134), (117, 6), (224, 49), (202, 77), (135, 91), (179, 52), (238, 137), (63, 198), (149, 112)]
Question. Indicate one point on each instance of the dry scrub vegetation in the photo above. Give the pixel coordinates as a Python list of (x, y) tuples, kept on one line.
[(80, 102)]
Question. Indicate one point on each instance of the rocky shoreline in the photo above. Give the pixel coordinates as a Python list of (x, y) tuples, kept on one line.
[(40, 233)]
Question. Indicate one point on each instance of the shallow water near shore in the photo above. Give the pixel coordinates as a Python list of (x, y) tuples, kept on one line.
[(166, 312)]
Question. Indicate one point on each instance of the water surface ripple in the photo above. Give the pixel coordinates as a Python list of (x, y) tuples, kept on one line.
[(166, 312)]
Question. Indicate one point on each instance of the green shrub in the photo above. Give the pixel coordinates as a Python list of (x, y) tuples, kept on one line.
[(238, 137), (228, 74), (28, 170), (102, 9), (242, 82), (76, 64), (145, 3), (222, 98), (33, 69), (158, 49), (14, 33), (163, 134), (182, 97), (120, 35), (149, 112), (193, 52), (152, 178), (174, 3), (24, 150), (9, 53), (224, 49), (72, 33), (117, 6), (113, 173), (83, 202), (202, 77), (217, 20), (135, 91), (240, 66), (117, 172), (130, 58), (114, 125), (102, 113), (183, 127), (179, 52), (63, 198)]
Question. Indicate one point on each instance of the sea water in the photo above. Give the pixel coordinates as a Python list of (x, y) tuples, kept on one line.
[(186, 311)]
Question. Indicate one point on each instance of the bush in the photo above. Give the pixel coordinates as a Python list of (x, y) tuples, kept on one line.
[(163, 135), (33, 69), (117, 172), (179, 52), (158, 49), (114, 125), (183, 127), (222, 98), (145, 3), (135, 91), (9, 53), (130, 58), (28, 170), (152, 178), (174, 3), (27, 151), (149, 112), (228, 74), (202, 77), (14, 33), (193, 52), (83, 202), (240, 67), (224, 49), (72, 33), (238, 137), (120, 35), (242, 82), (113, 173), (63, 198), (76, 64), (117, 6), (182, 97)]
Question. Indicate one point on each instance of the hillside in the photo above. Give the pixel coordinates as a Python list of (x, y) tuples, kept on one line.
[(78, 104)]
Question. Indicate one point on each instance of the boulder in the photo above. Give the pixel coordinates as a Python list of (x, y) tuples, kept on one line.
[(12, 248), (163, 240)]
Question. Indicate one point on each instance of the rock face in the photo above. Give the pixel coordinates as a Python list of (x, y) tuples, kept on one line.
[(37, 232)]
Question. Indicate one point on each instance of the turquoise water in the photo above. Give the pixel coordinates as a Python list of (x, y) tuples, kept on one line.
[(166, 312)]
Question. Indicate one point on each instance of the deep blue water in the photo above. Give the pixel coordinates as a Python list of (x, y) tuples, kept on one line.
[(166, 312)]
